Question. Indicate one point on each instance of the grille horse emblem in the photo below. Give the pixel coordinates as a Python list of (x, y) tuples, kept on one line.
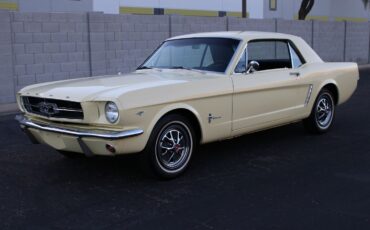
[(48, 109)]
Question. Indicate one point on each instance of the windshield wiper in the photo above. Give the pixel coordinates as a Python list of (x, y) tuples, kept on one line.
[(171, 67), (186, 68), (144, 67), (180, 67)]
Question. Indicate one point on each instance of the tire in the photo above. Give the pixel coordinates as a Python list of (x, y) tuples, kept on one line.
[(322, 115), (170, 147), (70, 155)]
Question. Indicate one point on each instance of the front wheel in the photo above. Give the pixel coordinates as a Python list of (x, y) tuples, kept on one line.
[(322, 114), (170, 146)]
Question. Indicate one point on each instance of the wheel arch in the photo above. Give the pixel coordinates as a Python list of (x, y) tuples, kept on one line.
[(311, 123), (183, 109), (333, 88)]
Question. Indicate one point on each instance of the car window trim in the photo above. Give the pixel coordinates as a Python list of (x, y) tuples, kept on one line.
[(294, 48), (273, 40), (289, 42), (240, 42)]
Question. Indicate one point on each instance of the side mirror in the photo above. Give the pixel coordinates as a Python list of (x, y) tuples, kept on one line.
[(253, 66)]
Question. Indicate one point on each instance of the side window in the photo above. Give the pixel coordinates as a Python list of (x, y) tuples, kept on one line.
[(296, 60), (271, 54), (241, 66)]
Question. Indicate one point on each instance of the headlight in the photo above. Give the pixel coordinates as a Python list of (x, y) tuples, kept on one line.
[(111, 112)]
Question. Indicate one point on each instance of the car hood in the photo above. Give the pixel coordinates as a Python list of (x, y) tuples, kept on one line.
[(110, 87)]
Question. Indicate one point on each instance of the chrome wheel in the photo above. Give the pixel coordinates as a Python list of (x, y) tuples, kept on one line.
[(324, 111), (322, 114), (173, 147)]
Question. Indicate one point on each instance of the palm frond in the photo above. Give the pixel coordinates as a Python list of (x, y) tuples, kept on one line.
[(366, 3)]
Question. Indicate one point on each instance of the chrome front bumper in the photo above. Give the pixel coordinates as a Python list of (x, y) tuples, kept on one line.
[(26, 123)]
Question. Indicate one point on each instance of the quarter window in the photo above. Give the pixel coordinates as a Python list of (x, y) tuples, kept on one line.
[(296, 60), (240, 67)]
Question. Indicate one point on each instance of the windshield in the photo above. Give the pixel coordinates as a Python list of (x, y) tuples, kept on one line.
[(209, 54)]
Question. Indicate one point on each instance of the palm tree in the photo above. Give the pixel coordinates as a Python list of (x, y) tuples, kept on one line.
[(306, 7), (366, 3)]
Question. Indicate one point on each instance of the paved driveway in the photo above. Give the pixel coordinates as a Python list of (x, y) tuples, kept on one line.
[(278, 179)]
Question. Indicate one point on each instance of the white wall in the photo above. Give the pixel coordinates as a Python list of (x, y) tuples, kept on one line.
[(55, 5), (71, 5), (321, 8), (106, 6), (191, 4), (232, 5), (255, 8), (140, 3), (288, 9), (35, 5), (350, 9), (212, 5)]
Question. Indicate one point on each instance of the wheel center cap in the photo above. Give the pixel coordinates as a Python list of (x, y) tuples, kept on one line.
[(177, 148)]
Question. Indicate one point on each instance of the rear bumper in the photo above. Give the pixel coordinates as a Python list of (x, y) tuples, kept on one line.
[(104, 135)]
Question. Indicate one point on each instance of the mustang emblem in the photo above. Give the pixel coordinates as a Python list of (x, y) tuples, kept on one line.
[(48, 109), (211, 118)]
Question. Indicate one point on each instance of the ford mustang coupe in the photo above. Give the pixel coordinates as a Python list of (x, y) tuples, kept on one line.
[(193, 89)]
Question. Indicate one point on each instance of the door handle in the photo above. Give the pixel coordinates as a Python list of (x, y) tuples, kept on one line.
[(297, 74)]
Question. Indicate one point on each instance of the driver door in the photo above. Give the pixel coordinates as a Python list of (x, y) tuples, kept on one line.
[(274, 93)]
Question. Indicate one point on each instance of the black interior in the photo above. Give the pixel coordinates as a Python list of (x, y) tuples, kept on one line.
[(273, 64), (221, 57)]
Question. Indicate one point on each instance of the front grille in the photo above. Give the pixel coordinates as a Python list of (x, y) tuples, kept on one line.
[(53, 108)]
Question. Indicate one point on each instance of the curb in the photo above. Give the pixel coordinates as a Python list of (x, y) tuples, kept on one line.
[(363, 67), (6, 109)]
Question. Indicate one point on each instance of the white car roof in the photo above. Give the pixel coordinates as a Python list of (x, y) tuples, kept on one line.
[(240, 35), (308, 53)]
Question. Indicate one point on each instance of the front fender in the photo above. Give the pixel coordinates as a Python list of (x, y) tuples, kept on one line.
[(167, 109)]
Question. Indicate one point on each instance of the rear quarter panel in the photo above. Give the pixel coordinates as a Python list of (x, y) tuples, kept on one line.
[(343, 75)]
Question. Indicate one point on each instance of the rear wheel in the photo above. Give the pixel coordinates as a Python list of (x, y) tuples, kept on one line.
[(322, 114), (170, 146)]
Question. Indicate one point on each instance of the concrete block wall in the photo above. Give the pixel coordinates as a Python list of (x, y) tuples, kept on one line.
[(120, 43), (185, 25), (265, 25), (302, 29), (329, 40), (41, 47), (49, 47), (357, 42), (7, 80)]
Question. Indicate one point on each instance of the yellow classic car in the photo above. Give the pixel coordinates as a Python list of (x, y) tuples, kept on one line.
[(193, 89)]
